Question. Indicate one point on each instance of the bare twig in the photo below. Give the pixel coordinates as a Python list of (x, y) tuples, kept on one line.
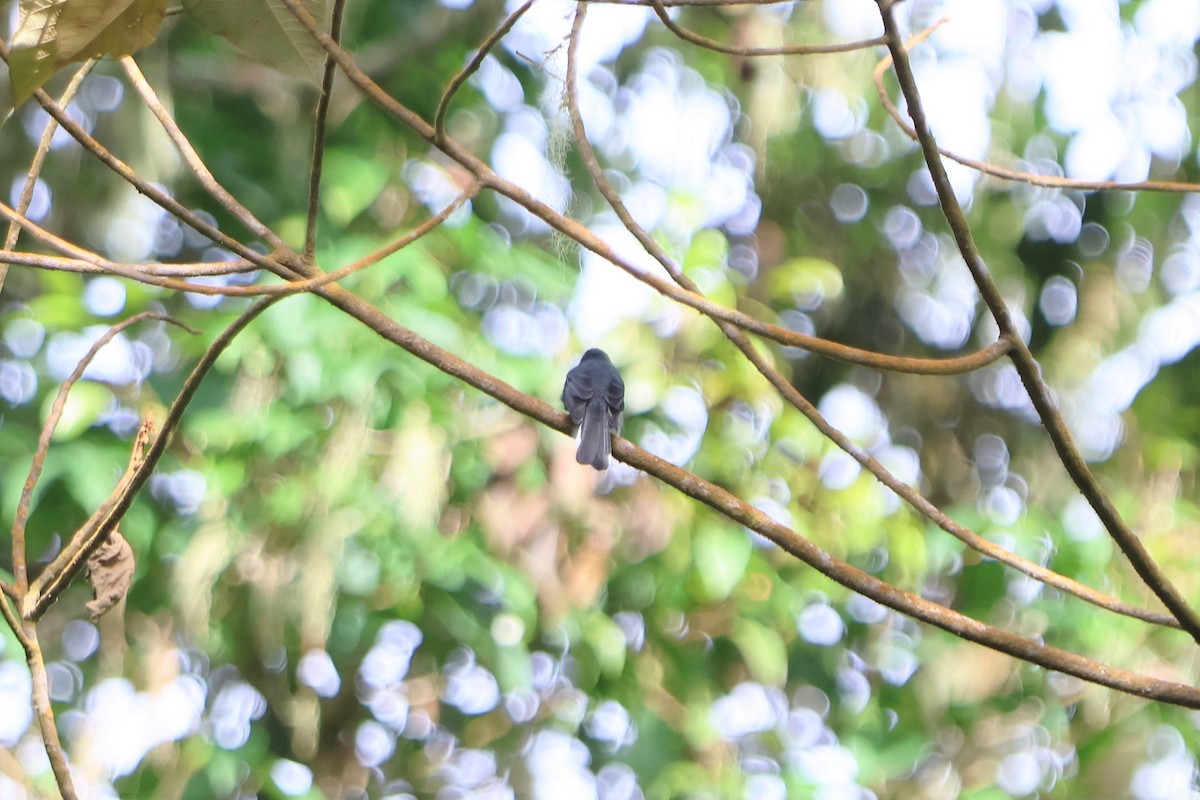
[(318, 152), (439, 117), (733, 50), (88, 262), (39, 159), (20, 571), (45, 714), (1004, 173), (195, 163), (58, 575), (142, 273), (1026, 365)]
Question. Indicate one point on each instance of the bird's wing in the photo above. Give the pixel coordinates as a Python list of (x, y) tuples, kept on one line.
[(577, 390)]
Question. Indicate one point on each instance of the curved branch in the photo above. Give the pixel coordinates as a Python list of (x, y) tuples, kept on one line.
[(58, 575), (1004, 173), (1027, 366), (439, 117), (95, 263), (782, 50), (194, 162), (24, 505)]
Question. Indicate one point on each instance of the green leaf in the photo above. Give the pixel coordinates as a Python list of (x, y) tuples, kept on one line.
[(806, 279), (608, 643), (763, 650), (52, 33), (721, 557), (266, 32), (86, 402), (352, 183), (90, 28), (28, 69)]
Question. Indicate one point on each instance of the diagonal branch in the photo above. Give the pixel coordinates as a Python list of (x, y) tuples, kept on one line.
[(67, 564), (1027, 366), (24, 505), (439, 117), (733, 50)]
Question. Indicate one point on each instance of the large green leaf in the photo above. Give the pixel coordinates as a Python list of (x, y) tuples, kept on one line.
[(265, 31), (53, 33), (90, 28)]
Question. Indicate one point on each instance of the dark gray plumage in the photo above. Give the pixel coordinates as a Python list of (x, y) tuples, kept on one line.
[(594, 396)]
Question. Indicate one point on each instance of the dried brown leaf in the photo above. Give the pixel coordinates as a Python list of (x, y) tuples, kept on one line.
[(110, 572)]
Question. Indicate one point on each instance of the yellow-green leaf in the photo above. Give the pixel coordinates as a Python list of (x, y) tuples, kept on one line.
[(89, 28), (266, 32), (53, 33)]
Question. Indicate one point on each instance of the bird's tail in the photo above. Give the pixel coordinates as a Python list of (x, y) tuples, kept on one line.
[(595, 441)]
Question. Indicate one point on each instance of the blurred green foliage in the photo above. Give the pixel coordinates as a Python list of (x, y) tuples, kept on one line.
[(347, 485)]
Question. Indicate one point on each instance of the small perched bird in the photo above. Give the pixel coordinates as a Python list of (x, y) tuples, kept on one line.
[(594, 396)]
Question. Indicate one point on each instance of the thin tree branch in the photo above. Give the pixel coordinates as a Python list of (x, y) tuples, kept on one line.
[(318, 152), (45, 714), (1004, 173), (39, 159), (142, 273), (1027, 366), (57, 576), (194, 162), (94, 263), (24, 505), (439, 117), (733, 50)]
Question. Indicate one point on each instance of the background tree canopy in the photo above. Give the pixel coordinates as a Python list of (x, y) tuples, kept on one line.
[(367, 564)]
